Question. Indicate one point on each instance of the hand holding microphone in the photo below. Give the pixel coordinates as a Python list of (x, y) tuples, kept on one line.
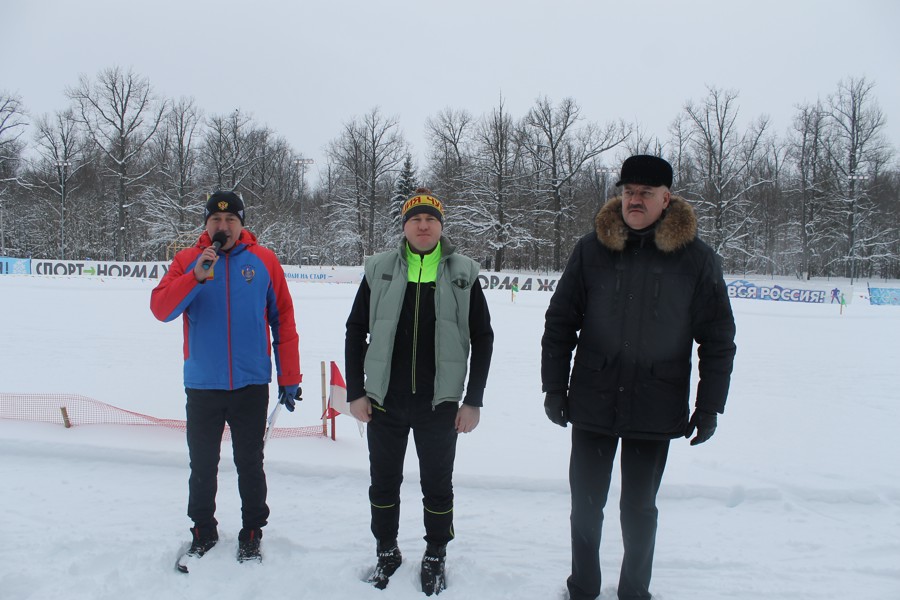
[(218, 241), (201, 270)]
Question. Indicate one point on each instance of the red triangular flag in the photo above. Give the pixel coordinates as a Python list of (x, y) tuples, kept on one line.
[(337, 398)]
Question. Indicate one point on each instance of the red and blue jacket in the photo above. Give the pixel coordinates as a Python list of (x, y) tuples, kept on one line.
[(227, 318)]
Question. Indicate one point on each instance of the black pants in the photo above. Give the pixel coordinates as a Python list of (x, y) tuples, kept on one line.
[(434, 433), (245, 412), (590, 471)]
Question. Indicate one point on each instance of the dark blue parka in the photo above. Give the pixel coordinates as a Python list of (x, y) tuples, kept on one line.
[(631, 305)]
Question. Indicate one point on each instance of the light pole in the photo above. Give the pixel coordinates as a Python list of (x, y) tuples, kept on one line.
[(302, 165), (604, 172), (62, 171), (853, 179)]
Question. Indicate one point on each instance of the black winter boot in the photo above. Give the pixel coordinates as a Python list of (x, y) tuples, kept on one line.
[(433, 577), (202, 540), (248, 545), (389, 559)]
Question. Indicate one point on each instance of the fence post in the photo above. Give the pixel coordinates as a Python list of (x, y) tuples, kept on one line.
[(324, 404)]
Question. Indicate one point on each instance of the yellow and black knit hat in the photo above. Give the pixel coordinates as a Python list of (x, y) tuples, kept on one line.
[(422, 201)]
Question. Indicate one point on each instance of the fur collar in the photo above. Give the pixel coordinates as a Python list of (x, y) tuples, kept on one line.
[(674, 230)]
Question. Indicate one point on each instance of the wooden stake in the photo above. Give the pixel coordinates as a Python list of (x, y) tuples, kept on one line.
[(324, 404), (65, 415)]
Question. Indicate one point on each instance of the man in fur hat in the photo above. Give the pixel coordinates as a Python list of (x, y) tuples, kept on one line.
[(636, 294)]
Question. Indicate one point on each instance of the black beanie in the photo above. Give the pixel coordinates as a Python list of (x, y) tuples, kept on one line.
[(422, 201), (644, 169), (222, 201)]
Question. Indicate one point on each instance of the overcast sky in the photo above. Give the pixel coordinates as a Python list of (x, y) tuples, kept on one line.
[(305, 67)]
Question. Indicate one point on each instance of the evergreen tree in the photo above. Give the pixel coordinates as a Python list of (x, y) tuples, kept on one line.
[(405, 185)]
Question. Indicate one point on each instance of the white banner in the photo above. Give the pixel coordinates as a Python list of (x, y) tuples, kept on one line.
[(98, 268)]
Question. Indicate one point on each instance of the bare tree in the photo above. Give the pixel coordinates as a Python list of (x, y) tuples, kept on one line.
[(486, 222), (641, 143), (808, 153), (722, 157), (12, 125), (121, 115), (366, 156), (229, 151), (856, 122), (172, 195), (61, 149), (561, 148), (771, 246), (449, 136), (276, 183)]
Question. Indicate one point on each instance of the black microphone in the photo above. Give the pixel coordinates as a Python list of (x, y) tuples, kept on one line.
[(218, 240)]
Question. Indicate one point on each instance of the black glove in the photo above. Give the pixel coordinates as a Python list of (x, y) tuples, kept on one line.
[(705, 423), (556, 405), (288, 394)]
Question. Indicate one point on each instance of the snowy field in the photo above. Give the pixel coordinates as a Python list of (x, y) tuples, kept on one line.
[(797, 496)]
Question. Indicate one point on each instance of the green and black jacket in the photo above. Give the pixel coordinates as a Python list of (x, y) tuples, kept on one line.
[(413, 322)]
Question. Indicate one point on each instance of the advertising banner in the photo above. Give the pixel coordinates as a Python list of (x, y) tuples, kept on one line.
[(323, 274), (525, 283), (15, 266), (804, 293), (884, 296), (99, 268)]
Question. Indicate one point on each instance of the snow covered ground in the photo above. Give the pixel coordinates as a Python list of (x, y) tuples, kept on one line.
[(797, 496)]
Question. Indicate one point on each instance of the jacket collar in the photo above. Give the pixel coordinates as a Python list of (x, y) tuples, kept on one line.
[(446, 247), (674, 230)]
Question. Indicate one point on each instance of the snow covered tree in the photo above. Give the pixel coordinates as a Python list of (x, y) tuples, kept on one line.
[(229, 150), (12, 126), (404, 186), (61, 154), (172, 196), (366, 156), (497, 216), (808, 142), (857, 152), (560, 148), (121, 115), (449, 136), (722, 157)]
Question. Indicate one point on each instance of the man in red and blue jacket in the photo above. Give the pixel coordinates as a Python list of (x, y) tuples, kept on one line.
[(230, 292)]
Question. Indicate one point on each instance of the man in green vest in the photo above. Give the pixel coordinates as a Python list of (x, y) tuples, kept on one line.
[(418, 312)]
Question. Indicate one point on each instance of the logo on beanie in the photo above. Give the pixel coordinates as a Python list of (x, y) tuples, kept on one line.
[(222, 201), (423, 203), (421, 200)]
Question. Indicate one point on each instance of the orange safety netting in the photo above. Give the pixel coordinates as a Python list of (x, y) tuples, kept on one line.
[(70, 410)]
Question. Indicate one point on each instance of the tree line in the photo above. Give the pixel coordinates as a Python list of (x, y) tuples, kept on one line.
[(121, 174)]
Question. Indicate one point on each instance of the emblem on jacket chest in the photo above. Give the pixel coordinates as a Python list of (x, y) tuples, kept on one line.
[(248, 272)]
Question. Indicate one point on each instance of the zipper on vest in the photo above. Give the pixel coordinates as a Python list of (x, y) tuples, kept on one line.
[(415, 340)]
